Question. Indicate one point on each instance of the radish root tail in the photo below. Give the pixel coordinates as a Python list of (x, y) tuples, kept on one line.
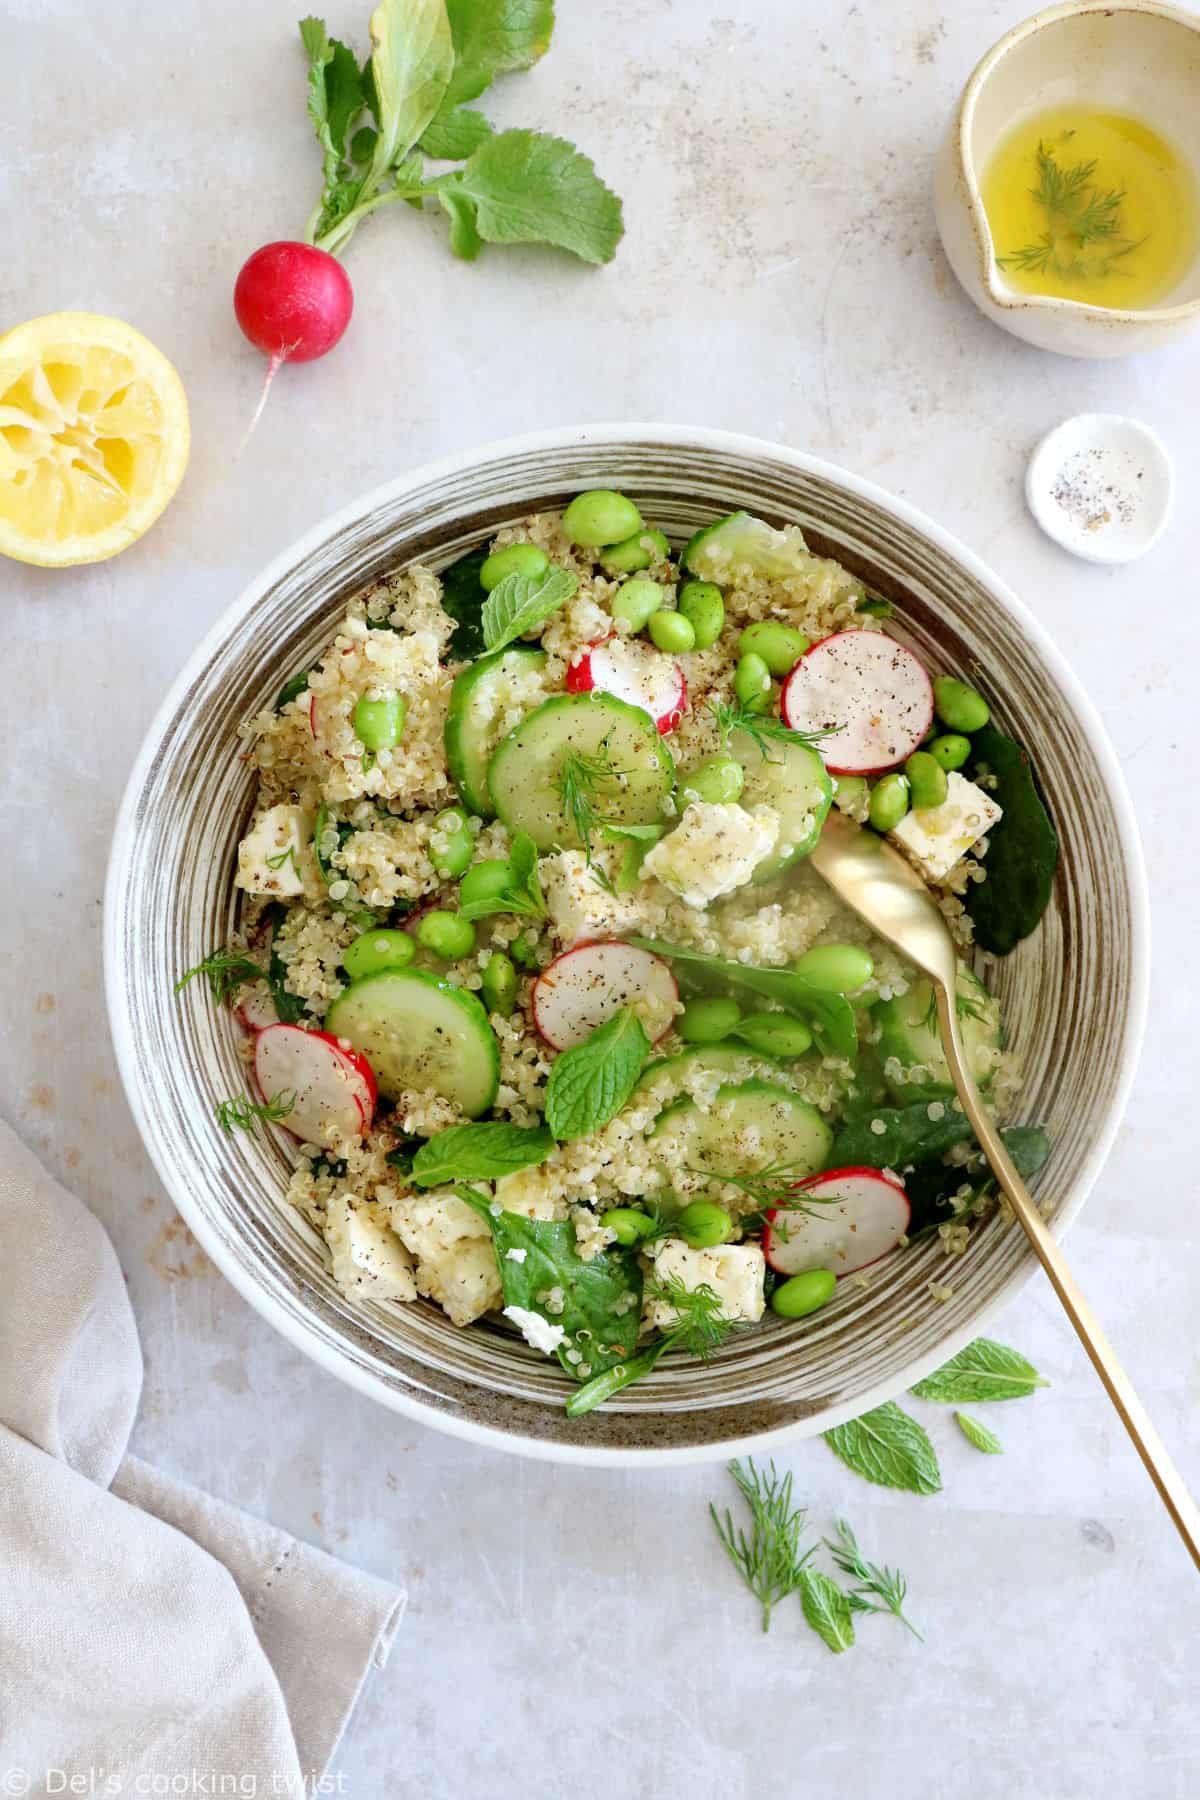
[(273, 368)]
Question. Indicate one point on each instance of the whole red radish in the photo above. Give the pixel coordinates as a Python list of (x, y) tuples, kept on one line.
[(293, 301)]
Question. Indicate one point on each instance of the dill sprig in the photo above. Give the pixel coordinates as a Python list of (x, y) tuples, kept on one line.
[(773, 1189), (584, 778), (243, 1112), (879, 1589), (227, 971), (699, 1327), (1079, 215), (767, 1557), (762, 729)]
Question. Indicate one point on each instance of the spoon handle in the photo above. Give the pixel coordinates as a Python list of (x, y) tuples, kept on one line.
[(1132, 1413)]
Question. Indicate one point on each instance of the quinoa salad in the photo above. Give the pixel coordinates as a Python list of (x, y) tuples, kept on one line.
[(534, 971)]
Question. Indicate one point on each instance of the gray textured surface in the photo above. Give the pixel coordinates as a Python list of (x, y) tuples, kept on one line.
[(781, 275)]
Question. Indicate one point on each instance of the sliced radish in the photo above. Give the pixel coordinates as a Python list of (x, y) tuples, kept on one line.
[(586, 985), (334, 1086), (864, 1214), (868, 690), (256, 1008), (635, 673)]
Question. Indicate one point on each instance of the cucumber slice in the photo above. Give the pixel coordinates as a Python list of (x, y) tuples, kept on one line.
[(792, 779), (475, 699), (666, 1080), (525, 773), (417, 1031), (753, 1125), (909, 1032), (740, 544)]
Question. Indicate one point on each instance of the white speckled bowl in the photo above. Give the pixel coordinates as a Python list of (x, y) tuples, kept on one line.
[(1074, 994)]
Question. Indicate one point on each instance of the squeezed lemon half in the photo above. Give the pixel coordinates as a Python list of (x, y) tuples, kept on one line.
[(93, 438)]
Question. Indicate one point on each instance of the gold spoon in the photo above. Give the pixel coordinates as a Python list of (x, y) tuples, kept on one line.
[(877, 883)]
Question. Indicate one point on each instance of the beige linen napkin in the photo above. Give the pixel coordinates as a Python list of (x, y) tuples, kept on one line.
[(146, 1630)]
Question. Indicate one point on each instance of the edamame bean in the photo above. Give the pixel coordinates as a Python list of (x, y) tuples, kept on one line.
[(628, 1225), (499, 984), (704, 1224), (707, 1019), (635, 602), (775, 1034), (379, 723), (485, 880), (804, 1294), (951, 750), (958, 705), (376, 950), (601, 517), (452, 846), (670, 631), (889, 802), (718, 779), (523, 951), (926, 780), (445, 934), (839, 968), (637, 552), (779, 645), (514, 559), (752, 681), (849, 792), (701, 605)]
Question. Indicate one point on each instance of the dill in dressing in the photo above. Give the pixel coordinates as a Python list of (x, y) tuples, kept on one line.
[(1091, 206)]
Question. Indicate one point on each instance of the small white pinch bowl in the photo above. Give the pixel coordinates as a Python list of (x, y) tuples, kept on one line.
[(1139, 57)]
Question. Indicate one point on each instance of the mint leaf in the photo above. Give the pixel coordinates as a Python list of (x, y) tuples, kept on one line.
[(831, 1016), (495, 37), (453, 133), (826, 1609), (463, 598), (888, 1447), (479, 1153), (524, 891), (985, 1370), (521, 603), (598, 1303), (412, 58), (529, 188), (979, 1435), (590, 1083)]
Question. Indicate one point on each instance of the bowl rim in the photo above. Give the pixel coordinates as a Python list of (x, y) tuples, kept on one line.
[(617, 436)]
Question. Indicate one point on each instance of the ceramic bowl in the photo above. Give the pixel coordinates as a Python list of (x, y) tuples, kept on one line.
[(1073, 994), (1138, 57)]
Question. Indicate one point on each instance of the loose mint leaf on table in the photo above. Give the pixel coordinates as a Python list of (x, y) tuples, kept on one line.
[(526, 187), (602, 1298), (412, 60), (463, 598), (590, 1083), (888, 1447), (521, 603), (495, 37), (481, 1152), (985, 1370), (979, 1435), (451, 136), (827, 1609), (830, 1016), (1022, 849)]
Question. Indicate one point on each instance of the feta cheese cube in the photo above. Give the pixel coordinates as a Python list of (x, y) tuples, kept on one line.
[(579, 906), (368, 1260), (734, 1272), (936, 836), (714, 849), (456, 1264), (276, 854), (535, 1330)]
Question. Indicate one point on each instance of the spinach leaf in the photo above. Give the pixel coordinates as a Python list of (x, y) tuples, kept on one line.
[(909, 1137), (289, 1006), (826, 1609), (292, 688), (590, 1083), (601, 1299), (985, 1370), (888, 1447), (482, 1152), (463, 598), (931, 1187), (830, 1016), (1022, 850), (978, 1434)]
